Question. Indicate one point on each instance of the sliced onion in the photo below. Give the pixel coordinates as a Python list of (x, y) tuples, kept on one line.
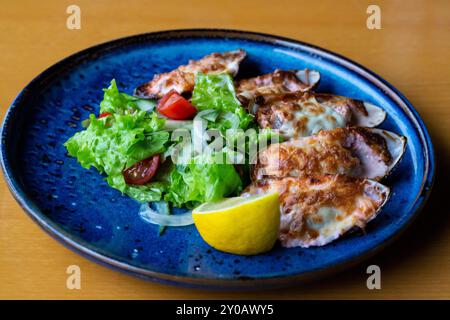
[(161, 207), (178, 220), (172, 125), (232, 118), (146, 105), (209, 115)]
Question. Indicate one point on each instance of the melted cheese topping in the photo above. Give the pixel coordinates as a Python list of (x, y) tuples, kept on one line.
[(299, 115), (310, 155), (280, 81), (182, 79), (358, 152), (318, 209)]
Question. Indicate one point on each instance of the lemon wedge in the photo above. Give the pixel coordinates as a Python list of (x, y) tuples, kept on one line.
[(240, 225)]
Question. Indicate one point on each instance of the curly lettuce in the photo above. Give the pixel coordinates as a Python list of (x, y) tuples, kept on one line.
[(216, 91), (128, 135), (201, 180), (116, 142), (115, 101)]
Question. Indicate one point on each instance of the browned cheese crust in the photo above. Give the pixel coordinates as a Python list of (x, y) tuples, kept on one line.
[(280, 81), (340, 102), (182, 79), (279, 109), (328, 152), (302, 197)]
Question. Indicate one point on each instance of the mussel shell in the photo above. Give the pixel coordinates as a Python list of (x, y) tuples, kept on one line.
[(363, 143), (396, 144), (374, 190), (311, 78), (374, 116), (252, 99)]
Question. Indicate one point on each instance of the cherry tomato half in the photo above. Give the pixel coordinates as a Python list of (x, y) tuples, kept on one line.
[(104, 114), (142, 171), (175, 107)]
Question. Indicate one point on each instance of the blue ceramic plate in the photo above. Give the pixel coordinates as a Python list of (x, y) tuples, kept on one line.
[(78, 208)]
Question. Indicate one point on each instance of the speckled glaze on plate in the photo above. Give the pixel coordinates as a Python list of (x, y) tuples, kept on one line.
[(77, 207)]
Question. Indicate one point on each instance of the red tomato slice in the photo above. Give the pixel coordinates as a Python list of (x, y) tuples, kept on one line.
[(104, 114), (142, 171), (175, 107)]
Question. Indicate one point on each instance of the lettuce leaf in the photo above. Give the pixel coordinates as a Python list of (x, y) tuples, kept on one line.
[(119, 102), (201, 181), (150, 192), (216, 91), (114, 143)]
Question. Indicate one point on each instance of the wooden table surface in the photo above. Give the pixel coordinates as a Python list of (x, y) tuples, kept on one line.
[(411, 51)]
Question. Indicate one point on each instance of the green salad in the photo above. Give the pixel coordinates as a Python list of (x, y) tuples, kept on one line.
[(132, 142)]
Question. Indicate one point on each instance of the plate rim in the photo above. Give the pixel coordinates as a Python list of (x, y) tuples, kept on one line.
[(86, 250)]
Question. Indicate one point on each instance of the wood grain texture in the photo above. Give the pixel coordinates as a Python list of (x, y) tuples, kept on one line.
[(411, 51)]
